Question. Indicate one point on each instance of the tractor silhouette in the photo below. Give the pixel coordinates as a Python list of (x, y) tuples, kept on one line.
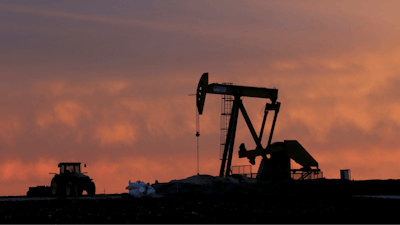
[(71, 182)]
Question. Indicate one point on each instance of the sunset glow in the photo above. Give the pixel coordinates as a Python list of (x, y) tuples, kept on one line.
[(109, 83)]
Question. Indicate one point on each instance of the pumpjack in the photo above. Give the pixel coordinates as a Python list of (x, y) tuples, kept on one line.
[(277, 165)]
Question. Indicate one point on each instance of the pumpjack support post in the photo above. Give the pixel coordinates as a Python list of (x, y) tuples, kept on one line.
[(237, 92)]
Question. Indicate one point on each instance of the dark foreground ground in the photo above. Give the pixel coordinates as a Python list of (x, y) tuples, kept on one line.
[(204, 209), (322, 201)]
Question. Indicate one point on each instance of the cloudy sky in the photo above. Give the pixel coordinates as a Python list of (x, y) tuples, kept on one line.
[(108, 82)]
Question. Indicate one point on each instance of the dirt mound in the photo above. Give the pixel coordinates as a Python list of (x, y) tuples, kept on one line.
[(206, 185), (208, 180)]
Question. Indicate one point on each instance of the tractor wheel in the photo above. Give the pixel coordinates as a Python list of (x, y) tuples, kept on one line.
[(55, 188), (91, 191), (79, 191), (70, 190)]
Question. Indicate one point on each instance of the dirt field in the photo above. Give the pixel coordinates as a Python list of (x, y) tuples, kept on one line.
[(202, 209), (205, 199)]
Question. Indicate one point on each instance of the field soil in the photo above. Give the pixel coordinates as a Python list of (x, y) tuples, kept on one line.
[(207, 199)]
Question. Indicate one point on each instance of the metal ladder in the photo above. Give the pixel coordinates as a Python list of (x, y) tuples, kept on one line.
[(226, 108)]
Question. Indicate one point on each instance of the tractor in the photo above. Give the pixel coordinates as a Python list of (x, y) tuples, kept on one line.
[(71, 182)]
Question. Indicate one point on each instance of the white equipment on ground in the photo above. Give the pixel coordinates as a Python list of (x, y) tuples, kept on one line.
[(141, 189)]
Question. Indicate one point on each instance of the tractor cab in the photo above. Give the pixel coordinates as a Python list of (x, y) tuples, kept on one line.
[(70, 168)]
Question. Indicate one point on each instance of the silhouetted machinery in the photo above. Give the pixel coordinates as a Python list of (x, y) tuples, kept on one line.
[(275, 167), (68, 183)]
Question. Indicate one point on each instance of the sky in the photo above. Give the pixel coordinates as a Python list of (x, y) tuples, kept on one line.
[(109, 83)]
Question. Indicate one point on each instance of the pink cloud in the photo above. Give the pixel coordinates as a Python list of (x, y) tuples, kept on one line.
[(9, 128), (117, 96), (119, 132)]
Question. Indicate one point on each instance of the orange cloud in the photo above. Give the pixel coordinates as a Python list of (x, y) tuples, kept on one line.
[(156, 117), (66, 112), (343, 97), (285, 65), (18, 170), (167, 116), (117, 133), (9, 128)]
